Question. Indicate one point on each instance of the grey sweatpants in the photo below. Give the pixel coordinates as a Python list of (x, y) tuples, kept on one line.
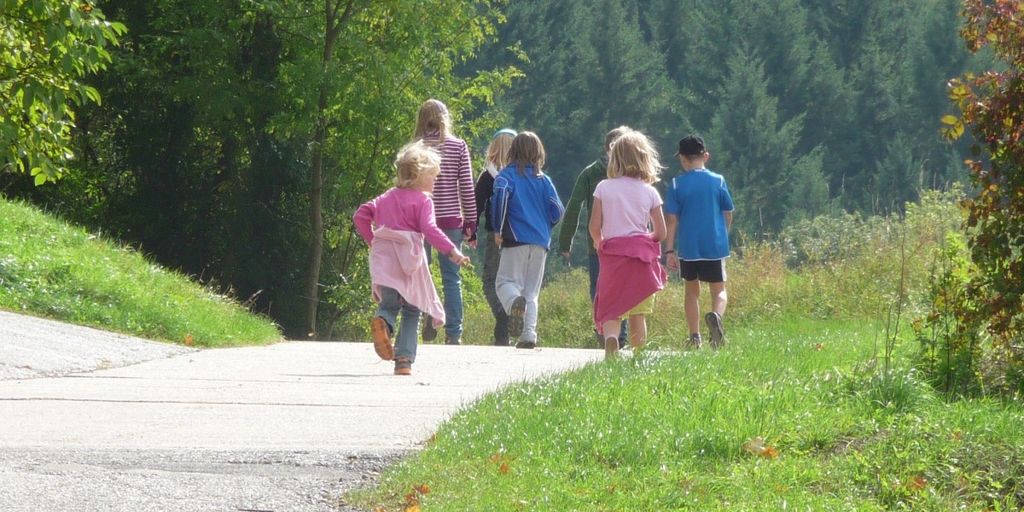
[(520, 273)]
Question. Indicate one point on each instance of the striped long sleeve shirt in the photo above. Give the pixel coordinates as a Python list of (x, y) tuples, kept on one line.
[(454, 202)]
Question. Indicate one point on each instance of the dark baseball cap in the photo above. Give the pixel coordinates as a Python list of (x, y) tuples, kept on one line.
[(691, 145)]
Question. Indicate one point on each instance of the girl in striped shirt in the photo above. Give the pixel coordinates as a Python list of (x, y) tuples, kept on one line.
[(454, 207)]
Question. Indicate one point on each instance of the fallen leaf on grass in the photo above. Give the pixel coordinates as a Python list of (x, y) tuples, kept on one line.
[(503, 461), (411, 500), (757, 448), (189, 340), (422, 488), (819, 346), (917, 483)]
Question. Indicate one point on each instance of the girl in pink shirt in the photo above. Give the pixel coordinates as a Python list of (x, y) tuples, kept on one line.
[(625, 209), (395, 225)]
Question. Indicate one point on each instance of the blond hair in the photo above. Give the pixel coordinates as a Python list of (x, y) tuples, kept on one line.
[(433, 117), (633, 155), (527, 149), (415, 160), (498, 149), (613, 135)]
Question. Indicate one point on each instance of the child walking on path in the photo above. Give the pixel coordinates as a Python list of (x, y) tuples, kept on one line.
[(625, 205), (699, 244), (394, 225), (583, 195), (525, 208), (497, 159), (455, 207)]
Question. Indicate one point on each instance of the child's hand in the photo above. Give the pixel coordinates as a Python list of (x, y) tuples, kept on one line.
[(672, 261), (460, 259)]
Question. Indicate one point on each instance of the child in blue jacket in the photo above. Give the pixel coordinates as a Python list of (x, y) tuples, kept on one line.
[(525, 206)]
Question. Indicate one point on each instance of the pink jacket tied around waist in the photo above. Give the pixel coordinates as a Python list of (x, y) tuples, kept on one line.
[(630, 272), (397, 260)]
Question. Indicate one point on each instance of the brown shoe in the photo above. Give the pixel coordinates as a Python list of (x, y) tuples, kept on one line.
[(429, 332), (382, 338), (403, 366)]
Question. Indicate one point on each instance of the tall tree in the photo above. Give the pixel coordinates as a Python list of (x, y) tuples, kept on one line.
[(360, 82), (758, 151)]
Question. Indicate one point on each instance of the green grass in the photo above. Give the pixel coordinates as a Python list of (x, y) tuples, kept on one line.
[(666, 432), (803, 372), (54, 270)]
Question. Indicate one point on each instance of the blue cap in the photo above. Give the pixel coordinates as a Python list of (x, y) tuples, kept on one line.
[(504, 131)]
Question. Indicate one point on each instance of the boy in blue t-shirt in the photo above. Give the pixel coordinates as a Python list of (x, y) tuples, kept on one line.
[(699, 244)]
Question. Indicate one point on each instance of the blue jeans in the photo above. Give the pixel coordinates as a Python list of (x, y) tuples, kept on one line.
[(391, 302), (451, 286), (593, 269)]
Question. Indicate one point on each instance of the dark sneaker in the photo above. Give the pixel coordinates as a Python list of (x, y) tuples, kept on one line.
[(429, 332), (449, 340), (515, 318), (382, 338), (693, 343), (526, 344), (714, 321), (501, 343), (403, 366)]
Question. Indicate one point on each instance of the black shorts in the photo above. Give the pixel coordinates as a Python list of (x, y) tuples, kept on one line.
[(709, 271)]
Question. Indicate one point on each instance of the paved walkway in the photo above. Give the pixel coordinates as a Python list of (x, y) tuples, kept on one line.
[(294, 404)]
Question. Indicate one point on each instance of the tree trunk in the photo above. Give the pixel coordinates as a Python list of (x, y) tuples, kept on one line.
[(332, 27)]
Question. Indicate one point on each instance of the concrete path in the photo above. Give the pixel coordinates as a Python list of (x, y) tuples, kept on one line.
[(284, 427)]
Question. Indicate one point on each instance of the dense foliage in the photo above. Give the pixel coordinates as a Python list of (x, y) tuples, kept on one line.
[(977, 321), (47, 47)]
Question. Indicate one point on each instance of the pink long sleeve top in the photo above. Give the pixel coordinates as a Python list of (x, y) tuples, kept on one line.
[(394, 225), (402, 209)]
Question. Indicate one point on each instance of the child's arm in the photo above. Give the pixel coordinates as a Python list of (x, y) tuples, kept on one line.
[(671, 258), (363, 220), (460, 259), (555, 207), (499, 205), (428, 226), (482, 191), (658, 220), (572, 215), (596, 220), (728, 219), (466, 195)]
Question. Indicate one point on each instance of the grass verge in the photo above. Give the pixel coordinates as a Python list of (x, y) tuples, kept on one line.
[(788, 416), (54, 270)]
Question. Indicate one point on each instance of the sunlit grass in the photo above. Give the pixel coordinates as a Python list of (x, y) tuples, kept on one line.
[(666, 431), (54, 270)]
